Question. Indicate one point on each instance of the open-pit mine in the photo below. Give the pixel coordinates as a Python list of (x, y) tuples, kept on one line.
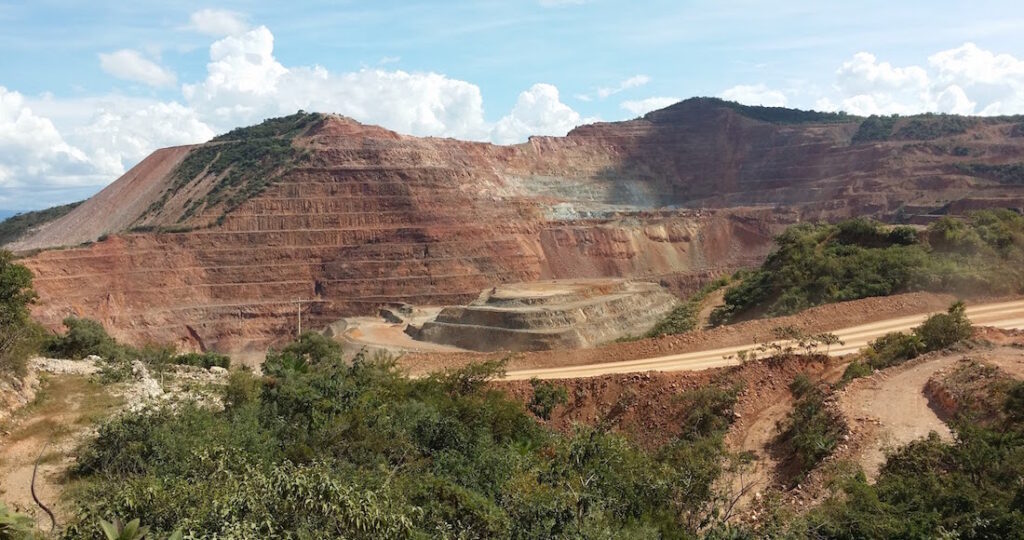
[(225, 246)]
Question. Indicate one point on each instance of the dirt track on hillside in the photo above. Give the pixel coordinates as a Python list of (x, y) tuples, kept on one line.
[(818, 319), (890, 409)]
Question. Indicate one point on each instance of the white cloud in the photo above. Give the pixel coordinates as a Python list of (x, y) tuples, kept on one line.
[(245, 84), (635, 81), (63, 148), (643, 106), (757, 94), (118, 136), (538, 111), (132, 66), (963, 80), (33, 154), (217, 22)]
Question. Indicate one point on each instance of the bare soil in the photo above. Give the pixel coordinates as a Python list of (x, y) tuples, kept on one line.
[(64, 412), (647, 406), (890, 409)]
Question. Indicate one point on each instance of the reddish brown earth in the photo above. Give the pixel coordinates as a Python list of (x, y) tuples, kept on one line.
[(680, 196), (647, 406)]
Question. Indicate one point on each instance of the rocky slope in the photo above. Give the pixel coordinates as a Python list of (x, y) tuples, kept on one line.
[(218, 246)]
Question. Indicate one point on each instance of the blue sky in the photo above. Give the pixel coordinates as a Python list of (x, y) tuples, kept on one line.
[(89, 89)]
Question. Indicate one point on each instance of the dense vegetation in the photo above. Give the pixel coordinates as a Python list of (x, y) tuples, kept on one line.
[(245, 162), (19, 336), (784, 115), (322, 447), (819, 263), (923, 127), (17, 225)]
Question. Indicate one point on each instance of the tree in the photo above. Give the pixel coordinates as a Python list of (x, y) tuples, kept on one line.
[(17, 333)]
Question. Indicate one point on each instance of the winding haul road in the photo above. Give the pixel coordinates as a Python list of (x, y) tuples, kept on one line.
[(1005, 315)]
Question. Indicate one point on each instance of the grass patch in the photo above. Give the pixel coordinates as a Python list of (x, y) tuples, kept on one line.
[(63, 401)]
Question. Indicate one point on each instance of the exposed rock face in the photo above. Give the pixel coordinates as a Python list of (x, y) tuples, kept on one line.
[(550, 315), (369, 218)]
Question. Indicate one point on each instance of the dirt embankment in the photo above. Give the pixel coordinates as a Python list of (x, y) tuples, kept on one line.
[(818, 319), (647, 406)]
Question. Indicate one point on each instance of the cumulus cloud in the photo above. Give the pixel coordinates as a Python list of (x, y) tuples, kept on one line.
[(963, 80), (118, 136), (643, 106), (245, 84), (757, 94), (538, 111), (217, 22), (99, 138), (131, 66), (33, 154)]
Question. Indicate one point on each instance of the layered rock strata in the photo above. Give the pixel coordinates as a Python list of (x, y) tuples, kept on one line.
[(550, 315)]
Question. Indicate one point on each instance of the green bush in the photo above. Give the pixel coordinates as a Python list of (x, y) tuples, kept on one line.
[(683, 318), (243, 389), (19, 337), (546, 396), (84, 337), (893, 348), (855, 370), (944, 329), (203, 360), (15, 526)]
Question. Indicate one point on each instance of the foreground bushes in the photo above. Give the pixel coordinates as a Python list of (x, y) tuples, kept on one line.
[(326, 448), (968, 488)]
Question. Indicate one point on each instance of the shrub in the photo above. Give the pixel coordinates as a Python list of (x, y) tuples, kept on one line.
[(813, 429), (683, 318), (203, 360), (546, 397), (243, 389), (84, 337), (855, 370), (15, 526), (893, 348), (19, 337), (321, 447), (944, 329)]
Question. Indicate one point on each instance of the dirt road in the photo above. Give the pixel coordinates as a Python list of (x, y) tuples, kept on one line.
[(1006, 315), (890, 409)]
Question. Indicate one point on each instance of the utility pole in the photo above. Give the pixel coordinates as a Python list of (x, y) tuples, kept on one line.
[(299, 313)]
